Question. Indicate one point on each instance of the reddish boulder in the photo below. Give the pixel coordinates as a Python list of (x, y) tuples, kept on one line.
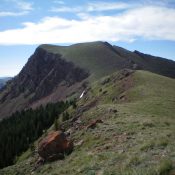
[(55, 146)]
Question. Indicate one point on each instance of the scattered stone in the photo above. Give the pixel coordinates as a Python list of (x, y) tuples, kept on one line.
[(112, 110), (121, 151), (122, 97), (78, 121), (55, 146), (93, 124), (148, 124), (114, 99), (79, 143), (135, 66), (69, 132), (107, 146), (105, 81), (125, 73), (38, 163), (105, 92), (74, 118)]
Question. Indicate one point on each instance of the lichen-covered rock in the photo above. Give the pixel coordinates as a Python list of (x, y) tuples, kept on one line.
[(55, 146)]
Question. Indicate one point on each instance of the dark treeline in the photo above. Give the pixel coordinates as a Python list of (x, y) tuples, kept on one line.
[(23, 128)]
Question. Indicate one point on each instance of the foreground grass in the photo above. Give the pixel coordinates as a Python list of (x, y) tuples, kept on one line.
[(139, 139)]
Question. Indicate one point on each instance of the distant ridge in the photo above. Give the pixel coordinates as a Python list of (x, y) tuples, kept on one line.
[(3, 81), (54, 73)]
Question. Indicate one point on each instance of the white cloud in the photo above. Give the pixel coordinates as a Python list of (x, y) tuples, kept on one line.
[(21, 4), (66, 9), (105, 6), (20, 8), (6, 13), (59, 2), (26, 6), (92, 7), (148, 22)]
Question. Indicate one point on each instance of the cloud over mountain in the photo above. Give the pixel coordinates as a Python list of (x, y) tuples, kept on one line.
[(148, 22)]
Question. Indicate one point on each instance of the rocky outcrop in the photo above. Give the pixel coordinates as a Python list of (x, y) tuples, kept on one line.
[(40, 77), (43, 72), (55, 146)]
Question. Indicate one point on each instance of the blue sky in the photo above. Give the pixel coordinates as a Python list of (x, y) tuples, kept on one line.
[(144, 25)]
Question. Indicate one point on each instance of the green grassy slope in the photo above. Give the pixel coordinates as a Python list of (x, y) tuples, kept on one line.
[(97, 57), (101, 59), (153, 94), (139, 139)]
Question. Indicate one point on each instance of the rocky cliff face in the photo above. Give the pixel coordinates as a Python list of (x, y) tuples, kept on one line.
[(43, 73)]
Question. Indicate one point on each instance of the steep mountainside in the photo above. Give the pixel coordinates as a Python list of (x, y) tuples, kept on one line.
[(135, 135), (56, 72), (43, 73)]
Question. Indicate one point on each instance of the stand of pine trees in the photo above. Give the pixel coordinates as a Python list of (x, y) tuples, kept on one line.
[(23, 128)]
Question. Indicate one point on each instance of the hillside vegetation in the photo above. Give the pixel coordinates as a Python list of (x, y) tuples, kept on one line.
[(136, 135)]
